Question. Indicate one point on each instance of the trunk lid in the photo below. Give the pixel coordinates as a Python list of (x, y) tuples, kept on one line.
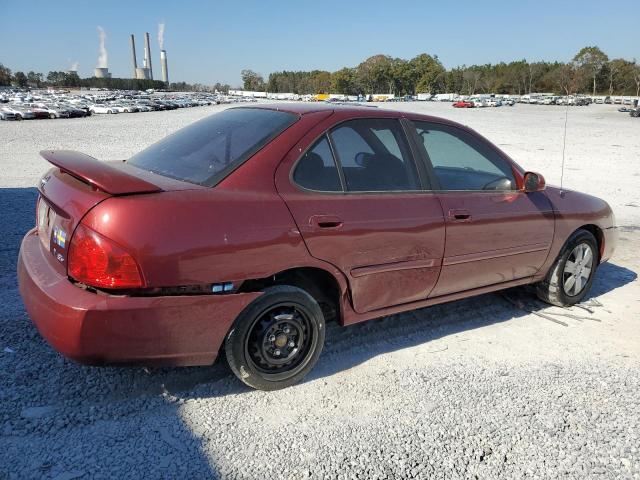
[(78, 183)]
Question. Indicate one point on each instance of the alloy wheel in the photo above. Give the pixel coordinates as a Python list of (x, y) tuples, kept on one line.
[(577, 269)]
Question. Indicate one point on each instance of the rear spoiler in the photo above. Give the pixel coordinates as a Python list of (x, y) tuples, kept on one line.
[(100, 175)]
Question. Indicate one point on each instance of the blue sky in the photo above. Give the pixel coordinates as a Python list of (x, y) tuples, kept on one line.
[(212, 41)]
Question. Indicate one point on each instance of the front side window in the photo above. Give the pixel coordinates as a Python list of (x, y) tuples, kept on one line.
[(206, 151), (463, 162), (374, 156), (317, 170)]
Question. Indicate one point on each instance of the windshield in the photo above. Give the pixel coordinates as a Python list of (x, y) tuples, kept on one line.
[(206, 151)]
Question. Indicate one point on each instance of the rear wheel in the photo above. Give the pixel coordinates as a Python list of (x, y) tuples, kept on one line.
[(571, 276), (277, 339), (52, 116)]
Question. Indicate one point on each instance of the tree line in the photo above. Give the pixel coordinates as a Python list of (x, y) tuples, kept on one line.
[(590, 71), (72, 80)]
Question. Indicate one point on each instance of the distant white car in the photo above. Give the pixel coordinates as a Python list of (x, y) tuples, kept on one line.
[(102, 109), (7, 114), (478, 103), (117, 108)]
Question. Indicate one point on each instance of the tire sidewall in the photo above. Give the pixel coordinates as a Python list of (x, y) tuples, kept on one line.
[(581, 236), (235, 350)]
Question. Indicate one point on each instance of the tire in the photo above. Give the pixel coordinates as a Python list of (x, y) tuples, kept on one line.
[(18, 117), (52, 116), (277, 338), (558, 288)]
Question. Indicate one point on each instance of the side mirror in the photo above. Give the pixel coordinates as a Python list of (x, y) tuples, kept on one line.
[(533, 182)]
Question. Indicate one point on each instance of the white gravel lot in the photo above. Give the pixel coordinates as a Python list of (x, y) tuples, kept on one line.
[(478, 388)]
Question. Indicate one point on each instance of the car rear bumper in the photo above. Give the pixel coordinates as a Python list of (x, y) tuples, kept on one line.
[(97, 329)]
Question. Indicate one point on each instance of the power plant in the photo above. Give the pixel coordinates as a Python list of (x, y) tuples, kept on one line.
[(146, 71), (133, 56), (142, 73), (147, 55), (101, 72), (163, 65)]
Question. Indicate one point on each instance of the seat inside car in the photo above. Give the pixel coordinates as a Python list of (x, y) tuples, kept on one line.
[(382, 171), (312, 171)]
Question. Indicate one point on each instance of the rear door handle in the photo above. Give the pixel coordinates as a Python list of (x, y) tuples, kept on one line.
[(459, 215), (325, 221)]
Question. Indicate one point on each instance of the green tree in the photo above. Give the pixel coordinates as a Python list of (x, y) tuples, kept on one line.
[(34, 78), (5, 75), (615, 71), (591, 59), (427, 74), (344, 81), (252, 81), (635, 75), (472, 77), (20, 79)]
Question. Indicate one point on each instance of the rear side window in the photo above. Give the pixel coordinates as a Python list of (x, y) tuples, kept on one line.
[(317, 170), (374, 156), (206, 151)]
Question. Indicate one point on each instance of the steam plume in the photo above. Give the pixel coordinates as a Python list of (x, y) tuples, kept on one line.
[(74, 66), (161, 35), (102, 57)]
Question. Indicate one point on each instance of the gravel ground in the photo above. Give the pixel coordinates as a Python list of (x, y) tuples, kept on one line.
[(479, 388)]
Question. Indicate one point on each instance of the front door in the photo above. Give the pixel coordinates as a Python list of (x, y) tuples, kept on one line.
[(494, 231), (358, 202)]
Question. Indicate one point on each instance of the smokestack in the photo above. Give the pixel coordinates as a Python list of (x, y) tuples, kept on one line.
[(133, 55), (163, 65), (147, 54)]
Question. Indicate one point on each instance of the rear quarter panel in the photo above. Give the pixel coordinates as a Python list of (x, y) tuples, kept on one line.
[(241, 229)]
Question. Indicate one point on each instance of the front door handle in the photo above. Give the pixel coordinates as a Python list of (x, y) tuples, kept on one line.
[(459, 215), (325, 221)]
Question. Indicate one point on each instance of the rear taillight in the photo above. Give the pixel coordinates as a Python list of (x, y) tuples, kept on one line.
[(99, 262)]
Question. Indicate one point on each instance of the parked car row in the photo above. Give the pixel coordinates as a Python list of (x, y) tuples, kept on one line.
[(19, 104), (484, 102)]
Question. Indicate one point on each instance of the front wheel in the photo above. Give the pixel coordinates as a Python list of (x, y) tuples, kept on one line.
[(571, 276), (277, 339)]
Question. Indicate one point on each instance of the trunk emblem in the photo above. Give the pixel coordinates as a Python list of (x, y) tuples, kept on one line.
[(59, 237), (44, 180)]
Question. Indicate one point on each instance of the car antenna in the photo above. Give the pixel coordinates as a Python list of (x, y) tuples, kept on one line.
[(564, 147)]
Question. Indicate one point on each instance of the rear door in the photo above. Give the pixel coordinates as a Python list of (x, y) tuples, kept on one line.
[(357, 197), (494, 231)]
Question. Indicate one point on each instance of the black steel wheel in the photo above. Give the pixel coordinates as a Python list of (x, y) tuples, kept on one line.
[(277, 339)]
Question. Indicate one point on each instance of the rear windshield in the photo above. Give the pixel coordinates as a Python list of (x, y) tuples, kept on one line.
[(206, 151)]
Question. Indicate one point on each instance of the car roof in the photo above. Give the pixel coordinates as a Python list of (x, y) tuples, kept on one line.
[(355, 110)]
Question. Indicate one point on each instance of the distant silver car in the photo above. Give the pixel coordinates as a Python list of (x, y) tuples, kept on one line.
[(7, 114), (57, 111), (20, 112)]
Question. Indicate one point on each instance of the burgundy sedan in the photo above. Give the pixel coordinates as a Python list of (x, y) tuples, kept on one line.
[(252, 228)]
